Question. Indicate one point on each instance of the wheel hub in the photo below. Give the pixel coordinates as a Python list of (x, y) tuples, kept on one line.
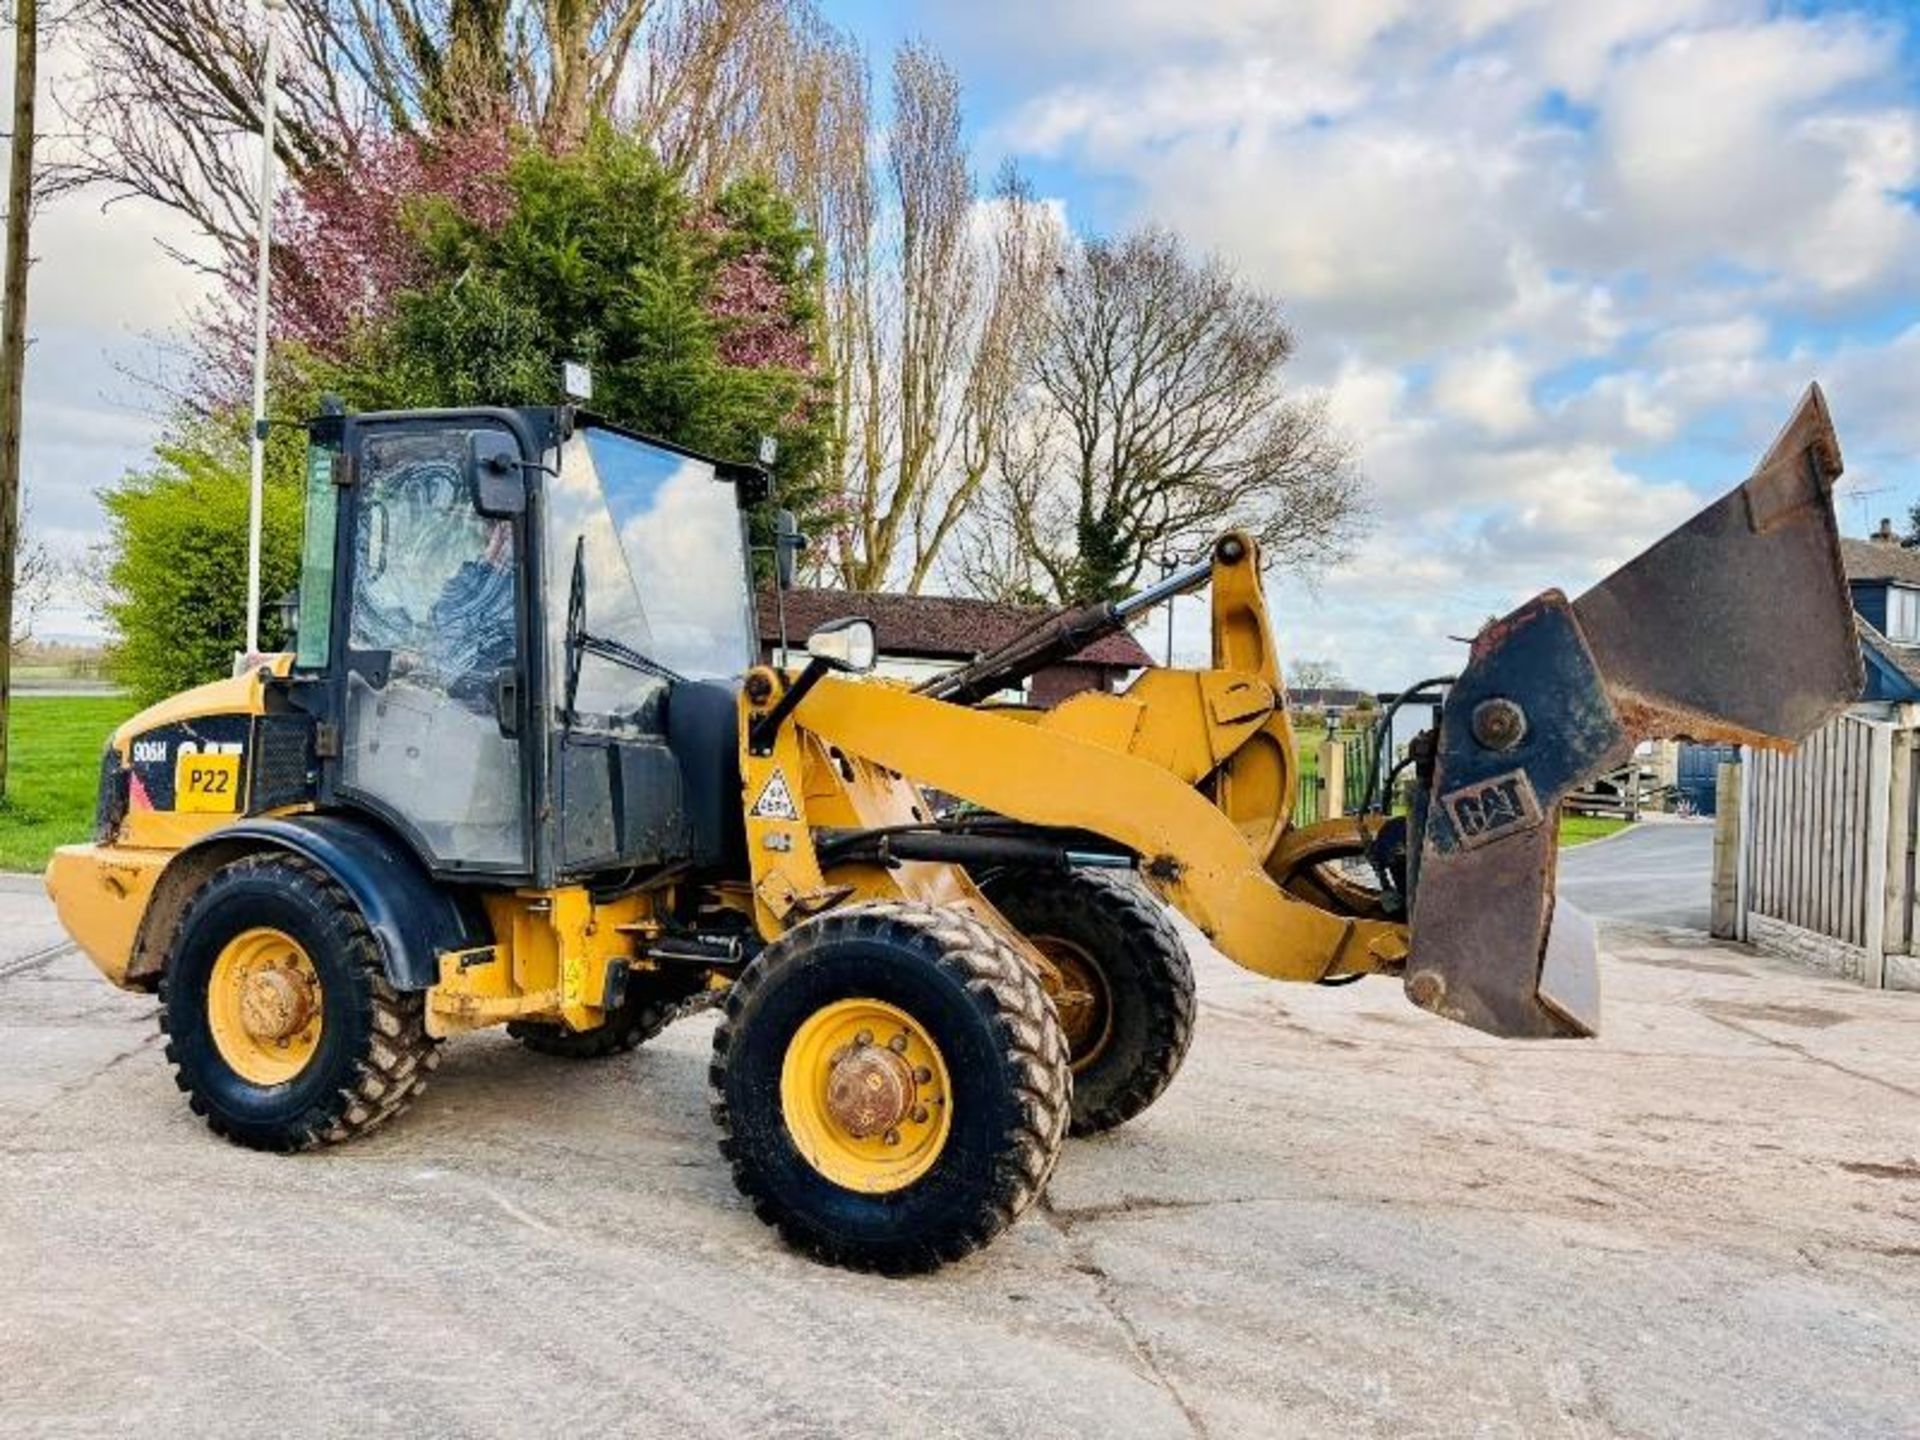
[(264, 1006), (274, 1004), (1074, 983), (869, 1090), (865, 1095)]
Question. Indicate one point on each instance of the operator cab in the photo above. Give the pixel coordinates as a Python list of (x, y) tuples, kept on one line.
[(520, 635)]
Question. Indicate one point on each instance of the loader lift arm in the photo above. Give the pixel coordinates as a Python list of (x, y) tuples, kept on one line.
[(1193, 772), (1191, 853)]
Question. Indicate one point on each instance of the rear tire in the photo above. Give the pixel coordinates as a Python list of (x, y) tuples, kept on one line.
[(366, 1050), (978, 1131), (1132, 1035)]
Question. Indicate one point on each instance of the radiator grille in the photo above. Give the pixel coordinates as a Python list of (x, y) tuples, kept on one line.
[(282, 761)]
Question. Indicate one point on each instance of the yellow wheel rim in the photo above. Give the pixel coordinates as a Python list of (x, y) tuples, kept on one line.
[(866, 1096), (264, 1006), (1079, 994)]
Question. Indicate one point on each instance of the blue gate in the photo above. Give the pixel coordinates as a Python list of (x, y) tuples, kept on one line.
[(1698, 777)]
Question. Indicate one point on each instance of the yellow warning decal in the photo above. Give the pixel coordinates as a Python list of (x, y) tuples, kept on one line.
[(776, 800)]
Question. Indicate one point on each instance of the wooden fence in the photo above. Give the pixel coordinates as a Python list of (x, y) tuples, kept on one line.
[(1822, 857)]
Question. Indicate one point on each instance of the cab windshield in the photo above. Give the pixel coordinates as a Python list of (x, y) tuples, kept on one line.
[(659, 544)]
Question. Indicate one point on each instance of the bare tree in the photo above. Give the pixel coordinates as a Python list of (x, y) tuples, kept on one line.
[(171, 101), (725, 87), (932, 304), (1310, 674), (171, 105), (36, 571), (1153, 417)]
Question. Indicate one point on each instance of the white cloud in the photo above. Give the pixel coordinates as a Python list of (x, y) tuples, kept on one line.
[(1541, 256), (1740, 145), (1493, 388)]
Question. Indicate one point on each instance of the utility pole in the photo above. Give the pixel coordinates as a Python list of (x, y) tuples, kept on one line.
[(269, 98), (13, 337), (1167, 568)]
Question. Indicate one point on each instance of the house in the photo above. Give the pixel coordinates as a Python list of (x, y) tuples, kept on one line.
[(1331, 701), (921, 636), (1884, 576)]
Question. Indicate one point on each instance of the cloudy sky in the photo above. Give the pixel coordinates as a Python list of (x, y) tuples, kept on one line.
[(1562, 267)]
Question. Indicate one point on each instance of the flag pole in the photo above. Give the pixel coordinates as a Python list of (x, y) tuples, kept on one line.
[(269, 99)]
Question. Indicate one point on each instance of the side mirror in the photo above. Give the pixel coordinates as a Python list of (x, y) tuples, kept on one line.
[(496, 475), (788, 542), (844, 645)]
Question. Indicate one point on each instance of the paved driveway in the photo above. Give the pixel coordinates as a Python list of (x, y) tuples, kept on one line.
[(1345, 1218), (1659, 872)]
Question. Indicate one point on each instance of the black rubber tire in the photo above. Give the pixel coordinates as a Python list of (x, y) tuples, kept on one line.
[(374, 1054), (652, 1003), (1007, 1064), (1144, 966)]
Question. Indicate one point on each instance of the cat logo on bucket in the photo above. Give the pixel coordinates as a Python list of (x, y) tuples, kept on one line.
[(1491, 809)]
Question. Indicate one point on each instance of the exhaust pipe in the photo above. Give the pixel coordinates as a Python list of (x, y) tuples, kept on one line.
[(1736, 627)]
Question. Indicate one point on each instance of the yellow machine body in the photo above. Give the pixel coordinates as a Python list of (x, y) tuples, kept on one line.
[(1194, 770), (423, 825)]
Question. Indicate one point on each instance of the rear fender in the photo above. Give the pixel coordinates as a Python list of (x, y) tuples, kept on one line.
[(413, 918)]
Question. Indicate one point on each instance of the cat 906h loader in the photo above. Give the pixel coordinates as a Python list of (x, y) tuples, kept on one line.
[(523, 768)]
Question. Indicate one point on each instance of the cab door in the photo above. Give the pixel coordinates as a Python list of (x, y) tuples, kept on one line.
[(434, 697)]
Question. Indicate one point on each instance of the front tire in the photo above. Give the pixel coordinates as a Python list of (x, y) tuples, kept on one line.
[(891, 1086), (281, 1026), (1122, 980)]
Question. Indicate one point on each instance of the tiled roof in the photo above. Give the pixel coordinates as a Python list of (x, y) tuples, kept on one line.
[(1878, 560), (931, 627), (1904, 658)]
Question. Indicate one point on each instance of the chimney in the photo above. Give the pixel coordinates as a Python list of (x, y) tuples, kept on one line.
[(1884, 535)]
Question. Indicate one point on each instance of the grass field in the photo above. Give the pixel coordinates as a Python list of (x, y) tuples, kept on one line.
[(56, 746), (1579, 829)]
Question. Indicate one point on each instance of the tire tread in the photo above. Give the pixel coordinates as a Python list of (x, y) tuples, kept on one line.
[(400, 1054), (1032, 1043)]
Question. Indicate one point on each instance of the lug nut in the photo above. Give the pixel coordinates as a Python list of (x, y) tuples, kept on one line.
[(863, 1039), (892, 1137), (921, 1075), (920, 1114), (898, 1044)]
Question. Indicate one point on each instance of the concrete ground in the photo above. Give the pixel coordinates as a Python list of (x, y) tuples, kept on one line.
[(1659, 872), (1346, 1217)]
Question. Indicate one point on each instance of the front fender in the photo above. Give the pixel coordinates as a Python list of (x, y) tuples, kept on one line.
[(412, 916)]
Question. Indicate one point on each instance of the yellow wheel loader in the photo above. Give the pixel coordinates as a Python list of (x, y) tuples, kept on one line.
[(523, 769)]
